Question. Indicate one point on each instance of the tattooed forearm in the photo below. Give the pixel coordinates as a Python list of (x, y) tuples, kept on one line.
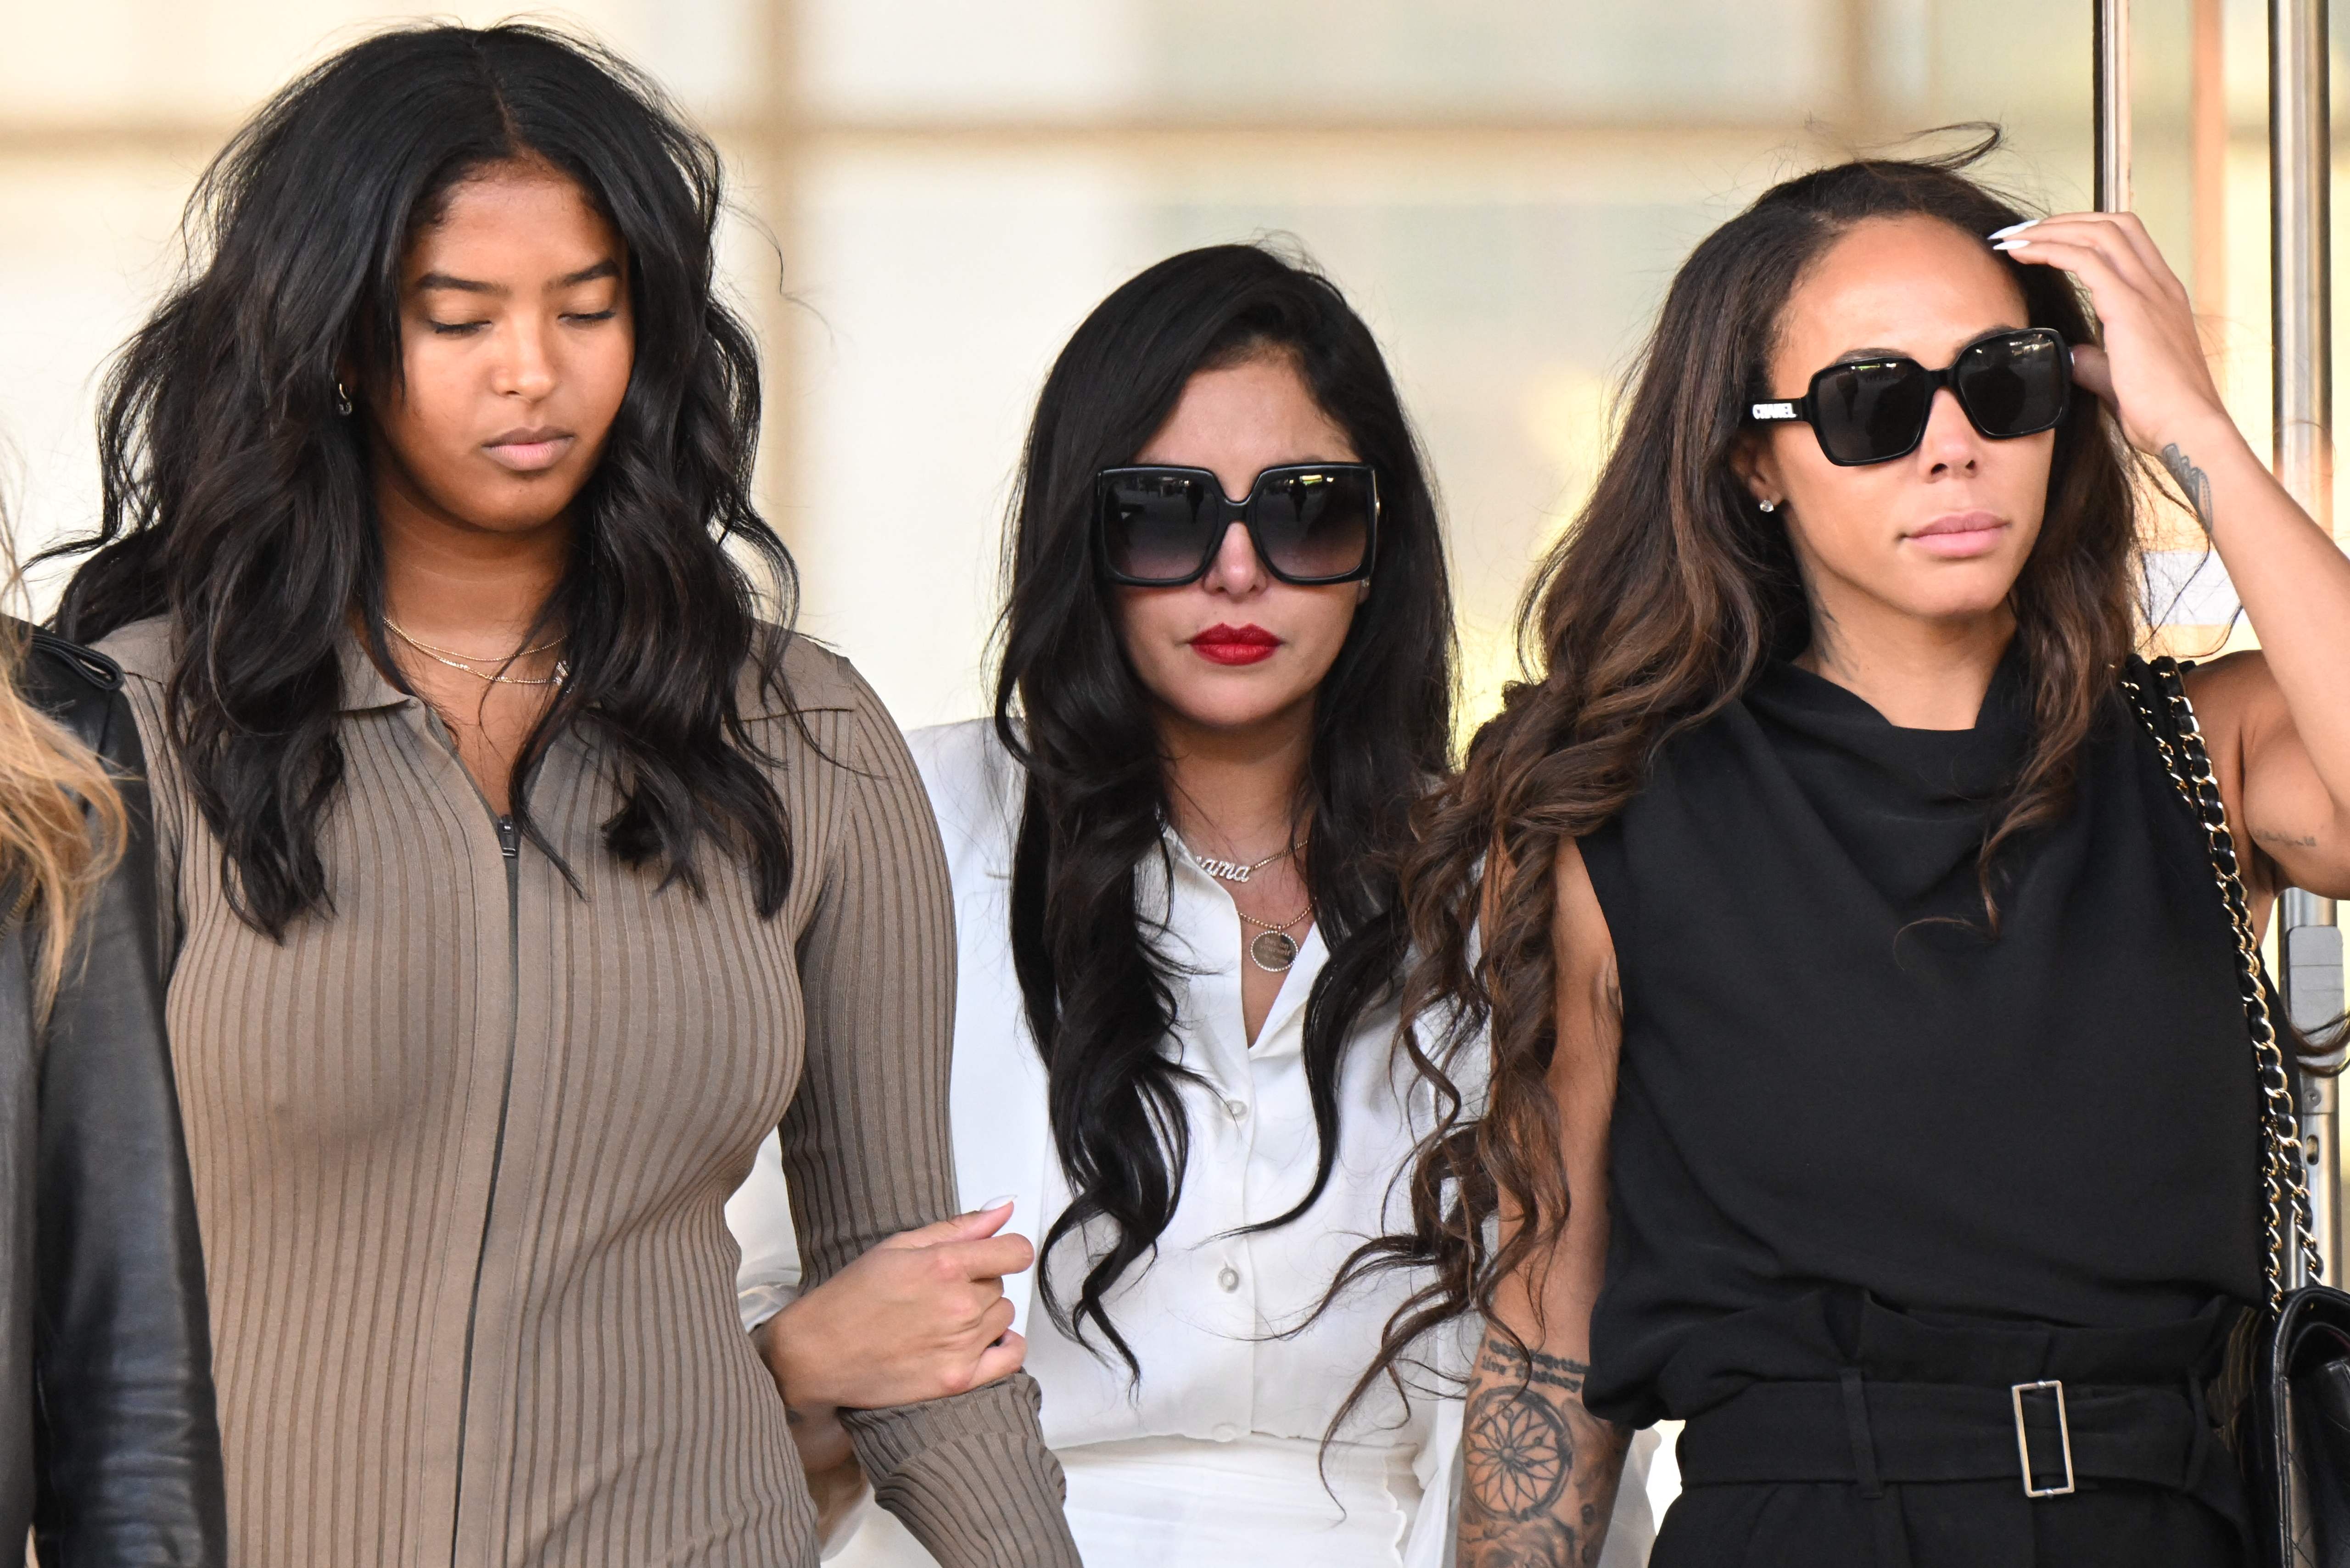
[(1512, 1364), (2276, 840), (1539, 1471), (2193, 482)]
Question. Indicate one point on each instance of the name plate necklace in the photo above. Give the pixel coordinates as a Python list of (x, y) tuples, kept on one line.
[(1232, 870), (1273, 949)]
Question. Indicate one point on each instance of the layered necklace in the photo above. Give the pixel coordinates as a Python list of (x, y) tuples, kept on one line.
[(1273, 949), (496, 676)]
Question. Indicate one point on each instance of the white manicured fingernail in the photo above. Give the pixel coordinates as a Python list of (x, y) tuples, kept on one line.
[(2011, 229), (2011, 245), (1003, 1203)]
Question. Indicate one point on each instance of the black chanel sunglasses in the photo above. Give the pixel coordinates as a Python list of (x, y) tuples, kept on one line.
[(2010, 384), (1312, 524)]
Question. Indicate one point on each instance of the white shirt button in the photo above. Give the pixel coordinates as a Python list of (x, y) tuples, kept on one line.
[(1228, 1278), (1236, 1109), (1224, 1431)]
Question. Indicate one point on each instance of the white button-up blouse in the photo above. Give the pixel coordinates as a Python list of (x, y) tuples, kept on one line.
[(1220, 1317)]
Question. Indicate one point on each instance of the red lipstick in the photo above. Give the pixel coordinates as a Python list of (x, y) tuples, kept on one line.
[(1221, 644)]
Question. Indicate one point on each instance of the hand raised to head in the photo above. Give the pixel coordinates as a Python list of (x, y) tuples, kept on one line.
[(2151, 369)]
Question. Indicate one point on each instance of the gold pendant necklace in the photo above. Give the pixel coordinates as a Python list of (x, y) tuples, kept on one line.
[(1273, 949), (455, 660)]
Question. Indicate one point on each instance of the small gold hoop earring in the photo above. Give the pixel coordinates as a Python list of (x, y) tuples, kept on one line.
[(342, 401)]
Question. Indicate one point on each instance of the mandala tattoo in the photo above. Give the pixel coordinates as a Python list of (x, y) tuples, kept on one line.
[(1522, 1449), (1540, 1470)]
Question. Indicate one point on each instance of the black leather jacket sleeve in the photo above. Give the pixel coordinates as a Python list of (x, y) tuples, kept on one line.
[(128, 1439)]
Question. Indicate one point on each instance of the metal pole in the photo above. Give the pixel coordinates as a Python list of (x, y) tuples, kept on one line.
[(2300, 305), (2112, 101), (2311, 946), (2300, 253), (2208, 160)]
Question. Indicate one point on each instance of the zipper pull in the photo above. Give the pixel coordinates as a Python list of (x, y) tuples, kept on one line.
[(509, 839)]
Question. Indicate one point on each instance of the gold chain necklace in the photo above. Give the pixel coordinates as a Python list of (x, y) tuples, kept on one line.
[(457, 660)]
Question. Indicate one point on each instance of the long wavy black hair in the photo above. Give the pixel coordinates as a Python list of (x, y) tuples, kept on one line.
[(1069, 706), (240, 505)]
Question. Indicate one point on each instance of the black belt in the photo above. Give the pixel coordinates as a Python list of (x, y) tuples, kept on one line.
[(2045, 1437)]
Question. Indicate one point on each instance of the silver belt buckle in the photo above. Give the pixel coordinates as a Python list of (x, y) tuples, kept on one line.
[(2023, 1439)]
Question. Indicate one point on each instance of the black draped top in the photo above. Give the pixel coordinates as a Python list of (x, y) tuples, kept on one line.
[(1836, 1085)]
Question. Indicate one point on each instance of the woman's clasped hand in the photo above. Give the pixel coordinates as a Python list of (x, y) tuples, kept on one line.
[(921, 1316)]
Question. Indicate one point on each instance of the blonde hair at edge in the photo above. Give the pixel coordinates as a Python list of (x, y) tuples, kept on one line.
[(62, 822)]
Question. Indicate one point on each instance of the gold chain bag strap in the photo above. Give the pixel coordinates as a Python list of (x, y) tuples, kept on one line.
[(2296, 1441), (2159, 695)]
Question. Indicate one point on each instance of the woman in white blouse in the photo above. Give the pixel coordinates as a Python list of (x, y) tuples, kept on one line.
[(1171, 856)]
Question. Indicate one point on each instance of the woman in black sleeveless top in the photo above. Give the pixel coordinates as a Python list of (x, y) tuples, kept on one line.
[(1867, 1052)]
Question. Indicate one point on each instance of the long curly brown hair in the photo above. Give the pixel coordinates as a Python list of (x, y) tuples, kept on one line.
[(1663, 602)]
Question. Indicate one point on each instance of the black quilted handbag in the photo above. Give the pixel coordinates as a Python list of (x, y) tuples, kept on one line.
[(2295, 1434)]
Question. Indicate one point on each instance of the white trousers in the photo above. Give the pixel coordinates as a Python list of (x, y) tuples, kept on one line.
[(1180, 1502)]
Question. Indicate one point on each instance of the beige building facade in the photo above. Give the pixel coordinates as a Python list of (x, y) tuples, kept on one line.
[(932, 192)]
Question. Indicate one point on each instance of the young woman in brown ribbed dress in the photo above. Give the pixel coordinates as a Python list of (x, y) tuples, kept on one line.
[(517, 878)]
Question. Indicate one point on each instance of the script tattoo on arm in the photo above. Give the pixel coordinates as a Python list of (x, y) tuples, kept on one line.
[(1539, 1471), (2192, 481)]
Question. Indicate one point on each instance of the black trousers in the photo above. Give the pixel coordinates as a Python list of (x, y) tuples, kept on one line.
[(1944, 1524)]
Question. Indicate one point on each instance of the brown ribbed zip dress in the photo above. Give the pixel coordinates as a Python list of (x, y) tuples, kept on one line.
[(461, 1147)]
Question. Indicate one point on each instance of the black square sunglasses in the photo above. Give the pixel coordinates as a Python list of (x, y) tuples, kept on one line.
[(1312, 524), (2009, 384)]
